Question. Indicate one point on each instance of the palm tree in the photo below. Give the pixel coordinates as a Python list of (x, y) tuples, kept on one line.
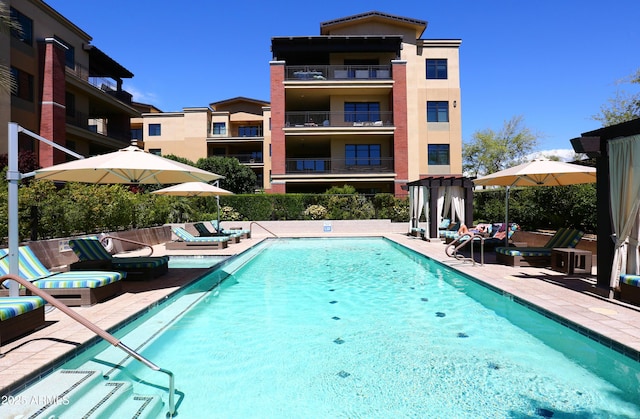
[(7, 84)]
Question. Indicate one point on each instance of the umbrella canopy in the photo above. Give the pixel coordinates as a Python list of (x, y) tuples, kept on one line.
[(130, 165), (540, 173), (193, 189)]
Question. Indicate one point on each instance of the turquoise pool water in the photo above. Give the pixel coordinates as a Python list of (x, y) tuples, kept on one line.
[(363, 328)]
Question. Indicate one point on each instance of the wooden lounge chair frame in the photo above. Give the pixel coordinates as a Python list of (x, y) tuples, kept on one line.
[(21, 324)]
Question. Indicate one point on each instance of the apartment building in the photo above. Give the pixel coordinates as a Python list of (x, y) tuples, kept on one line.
[(67, 90), (236, 127), (367, 103)]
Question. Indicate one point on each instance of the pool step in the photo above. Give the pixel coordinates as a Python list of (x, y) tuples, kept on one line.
[(81, 393)]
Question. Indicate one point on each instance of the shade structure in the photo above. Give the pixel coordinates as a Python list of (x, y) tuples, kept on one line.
[(130, 165), (193, 189), (538, 173)]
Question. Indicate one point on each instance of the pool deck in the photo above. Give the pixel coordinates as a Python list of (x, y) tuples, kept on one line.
[(567, 297)]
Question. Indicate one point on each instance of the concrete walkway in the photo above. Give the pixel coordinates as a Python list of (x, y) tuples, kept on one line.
[(567, 297)]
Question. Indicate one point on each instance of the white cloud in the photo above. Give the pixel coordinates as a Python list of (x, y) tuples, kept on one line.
[(565, 154)]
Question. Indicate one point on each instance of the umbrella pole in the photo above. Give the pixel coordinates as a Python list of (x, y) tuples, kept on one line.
[(217, 184), (506, 216)]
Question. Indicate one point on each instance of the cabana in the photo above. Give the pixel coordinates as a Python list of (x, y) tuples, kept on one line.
[(616, 150), (437, 196)]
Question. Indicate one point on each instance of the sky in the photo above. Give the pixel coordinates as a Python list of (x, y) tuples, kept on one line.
[(553, 62)]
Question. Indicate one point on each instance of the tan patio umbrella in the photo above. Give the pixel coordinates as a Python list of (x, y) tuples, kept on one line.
[(130, 165), (195, 189), (537, 173)]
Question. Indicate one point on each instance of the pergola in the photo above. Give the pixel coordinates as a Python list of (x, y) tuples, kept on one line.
[(433, 183), (595, 144)]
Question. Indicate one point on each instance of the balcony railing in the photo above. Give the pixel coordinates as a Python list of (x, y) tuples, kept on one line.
[(354, 165), (338, 72), (338, 119)]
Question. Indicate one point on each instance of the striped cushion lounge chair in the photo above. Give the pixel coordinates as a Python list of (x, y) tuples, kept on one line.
[(91, 254), (244, 233), (203, 231), (72, 288), (187, 240), (539, 256), (20, 315), (630, 288)]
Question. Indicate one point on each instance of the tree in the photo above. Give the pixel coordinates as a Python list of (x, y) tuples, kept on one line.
[(624, 107), (238, 178), (490, 151)]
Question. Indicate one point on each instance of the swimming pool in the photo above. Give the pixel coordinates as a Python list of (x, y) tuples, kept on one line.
[(367, 328)]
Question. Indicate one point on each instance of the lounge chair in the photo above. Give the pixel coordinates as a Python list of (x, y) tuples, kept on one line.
[(20, 315), (451, 229), (92, 255), (72, 288), (630, 288), (539, 256), (187, 240), (203, 231), (244, 233)]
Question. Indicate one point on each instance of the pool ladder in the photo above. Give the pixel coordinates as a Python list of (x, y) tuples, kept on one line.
[(466, 239), (262, 227), (100, 332)]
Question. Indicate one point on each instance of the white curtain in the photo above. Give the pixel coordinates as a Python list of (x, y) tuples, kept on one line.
[(624, 183), (457, 201), (425, 198), (418, 204), (444, 202)]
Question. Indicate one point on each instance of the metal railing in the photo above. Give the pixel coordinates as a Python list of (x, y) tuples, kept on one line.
[(466, 239), (327, 119), (98, 331), (337, 72), (262, 227), (356, 165)]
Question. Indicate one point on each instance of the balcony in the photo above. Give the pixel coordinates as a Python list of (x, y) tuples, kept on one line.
[(338, 72), (352, 166), (325, 119)]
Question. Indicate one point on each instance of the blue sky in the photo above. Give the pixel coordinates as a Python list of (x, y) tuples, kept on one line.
[(554, 62)]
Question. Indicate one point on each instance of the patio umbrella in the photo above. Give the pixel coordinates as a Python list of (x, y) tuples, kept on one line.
[(130, 165), (537, 173), (195, 189)]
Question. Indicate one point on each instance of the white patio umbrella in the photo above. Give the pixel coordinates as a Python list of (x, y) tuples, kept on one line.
[(537, 173), (195, 189), (130, 165)]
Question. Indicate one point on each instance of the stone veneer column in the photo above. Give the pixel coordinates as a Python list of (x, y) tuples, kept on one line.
[(400, 138), (52, 107), (278, 152)]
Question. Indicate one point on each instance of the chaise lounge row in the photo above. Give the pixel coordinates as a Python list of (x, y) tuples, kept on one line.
[(539, 256)]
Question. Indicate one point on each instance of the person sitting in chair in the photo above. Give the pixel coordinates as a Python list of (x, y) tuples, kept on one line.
[(480, 229)]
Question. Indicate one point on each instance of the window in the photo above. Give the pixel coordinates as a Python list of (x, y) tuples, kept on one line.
[(70, 104), (156, 151), (23, 84), (437, 69), (362, 154), (26, 24), (136, 134), (361, 111), (219, 128), (438, 154), (249, 131), (438, 111), (154, 130)]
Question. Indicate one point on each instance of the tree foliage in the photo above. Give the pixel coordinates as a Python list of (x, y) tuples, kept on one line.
[(238, 178), (624, 106), (490, 151)]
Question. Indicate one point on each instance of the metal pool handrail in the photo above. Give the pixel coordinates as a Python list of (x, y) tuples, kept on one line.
[(98, 331), (261, 226)]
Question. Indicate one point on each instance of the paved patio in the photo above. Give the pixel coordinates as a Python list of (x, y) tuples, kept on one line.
[(569, 298)]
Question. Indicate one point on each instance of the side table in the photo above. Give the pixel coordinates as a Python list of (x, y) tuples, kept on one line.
[(571, 261)]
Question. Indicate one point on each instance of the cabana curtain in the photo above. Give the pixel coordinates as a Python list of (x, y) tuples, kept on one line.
[(624, 181)]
